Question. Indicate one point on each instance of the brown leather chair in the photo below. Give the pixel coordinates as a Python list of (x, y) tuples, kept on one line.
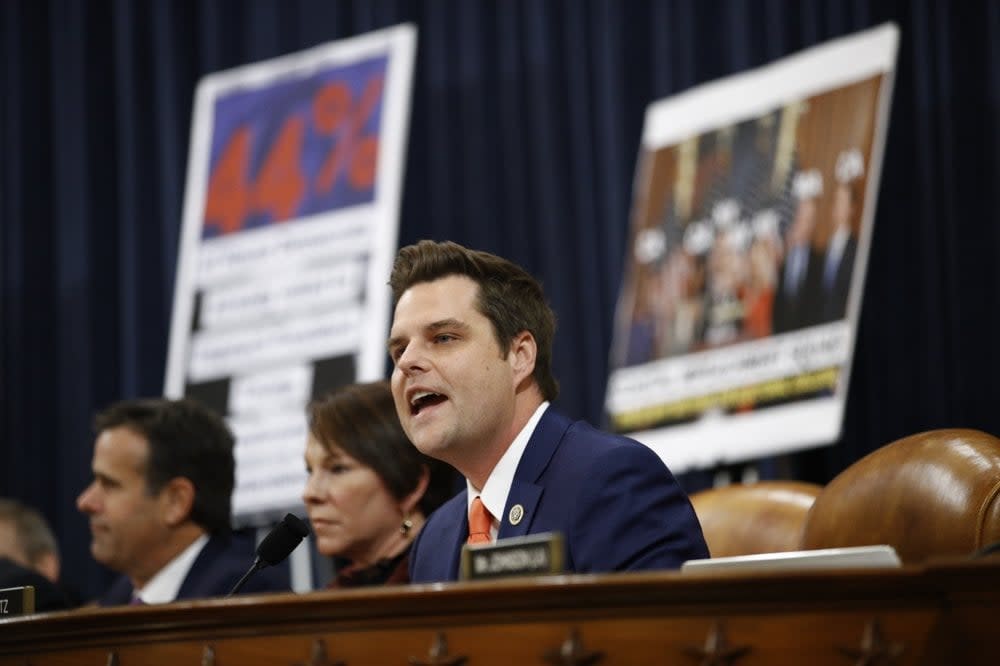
[(763, 517), (928, 495)]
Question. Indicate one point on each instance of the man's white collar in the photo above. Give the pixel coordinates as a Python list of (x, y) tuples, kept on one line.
[(497, 487), (163, 587)]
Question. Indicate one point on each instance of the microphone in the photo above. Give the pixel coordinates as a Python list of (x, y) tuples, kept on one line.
[(276, 546)]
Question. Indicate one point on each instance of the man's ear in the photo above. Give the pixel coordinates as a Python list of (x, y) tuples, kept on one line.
[(523, 352), (177, 500)]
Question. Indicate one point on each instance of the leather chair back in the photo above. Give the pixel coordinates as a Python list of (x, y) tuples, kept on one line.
[(763, 517), (928, 495)]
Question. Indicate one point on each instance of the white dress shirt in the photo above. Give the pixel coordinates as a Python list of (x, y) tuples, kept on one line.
[(497, 487), (164, 586)]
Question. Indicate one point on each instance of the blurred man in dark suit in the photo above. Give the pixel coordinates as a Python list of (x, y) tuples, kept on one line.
[(160, 501), (838, 262), (29, 555), (798, 299)]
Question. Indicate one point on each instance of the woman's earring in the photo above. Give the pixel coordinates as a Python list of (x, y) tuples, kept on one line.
[(405, 528)]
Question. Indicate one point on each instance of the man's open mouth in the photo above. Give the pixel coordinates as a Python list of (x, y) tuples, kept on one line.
[(422, 399)]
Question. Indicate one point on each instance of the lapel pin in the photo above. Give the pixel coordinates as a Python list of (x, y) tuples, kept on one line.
[(516, 514)]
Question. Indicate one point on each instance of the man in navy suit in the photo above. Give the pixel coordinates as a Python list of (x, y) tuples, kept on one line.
[(159, 505), (471, 342), (798, 299), (842, 247)]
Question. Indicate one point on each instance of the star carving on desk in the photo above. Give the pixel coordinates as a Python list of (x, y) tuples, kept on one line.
[(572, 653), (874, 650), (717, 651), (438, 654)]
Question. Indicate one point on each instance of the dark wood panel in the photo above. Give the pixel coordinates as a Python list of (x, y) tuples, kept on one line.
[(937, 614)]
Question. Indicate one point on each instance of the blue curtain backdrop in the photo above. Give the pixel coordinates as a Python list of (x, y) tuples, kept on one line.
[(525, 128)]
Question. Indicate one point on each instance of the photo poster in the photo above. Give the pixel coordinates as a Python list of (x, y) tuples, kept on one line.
[(290, 226), (751, 221)]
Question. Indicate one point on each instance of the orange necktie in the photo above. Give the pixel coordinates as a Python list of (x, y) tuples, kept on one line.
[(480, 522)]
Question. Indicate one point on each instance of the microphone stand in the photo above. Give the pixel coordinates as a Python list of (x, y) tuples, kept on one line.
[(258, 564)]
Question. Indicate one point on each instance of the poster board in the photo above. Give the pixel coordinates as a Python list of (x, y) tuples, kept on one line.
[(752, 217), (291, 218)]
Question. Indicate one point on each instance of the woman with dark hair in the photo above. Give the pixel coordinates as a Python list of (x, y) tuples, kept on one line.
[(369, 489)]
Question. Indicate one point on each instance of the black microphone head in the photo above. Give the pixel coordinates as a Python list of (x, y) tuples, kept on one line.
[(282, 540)]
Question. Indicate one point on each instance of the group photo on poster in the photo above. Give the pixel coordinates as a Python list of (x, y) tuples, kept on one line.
[(744, 254)]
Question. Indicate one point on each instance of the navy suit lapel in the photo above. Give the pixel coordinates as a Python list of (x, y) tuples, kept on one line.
[(524, 495), (458, 536), (526, 490), (192, 585), (120, 593)]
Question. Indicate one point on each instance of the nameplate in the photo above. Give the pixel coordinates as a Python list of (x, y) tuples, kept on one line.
[(17, 601), (532, 555)]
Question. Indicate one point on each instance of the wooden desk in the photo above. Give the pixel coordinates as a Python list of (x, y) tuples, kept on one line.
[(939, 614)]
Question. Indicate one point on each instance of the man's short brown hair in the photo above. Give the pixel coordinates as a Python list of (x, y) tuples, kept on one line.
[(185, 439), (508, 296)]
